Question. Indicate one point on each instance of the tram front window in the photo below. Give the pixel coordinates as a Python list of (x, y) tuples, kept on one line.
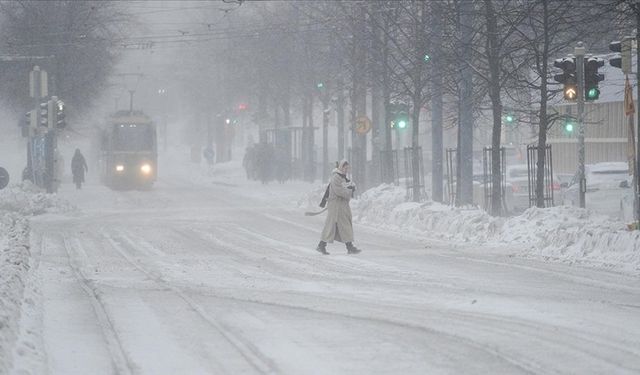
[(133, 137)]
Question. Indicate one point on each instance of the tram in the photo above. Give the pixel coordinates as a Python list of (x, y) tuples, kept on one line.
[(128, 155)]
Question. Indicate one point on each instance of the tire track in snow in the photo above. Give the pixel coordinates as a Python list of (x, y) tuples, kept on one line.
[(121, 363), (252, 355), (516, 325), (458, 256), (524, 365)]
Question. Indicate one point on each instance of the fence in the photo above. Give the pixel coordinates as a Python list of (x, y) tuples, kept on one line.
[(411, 183), (487, 183), (532, 168)]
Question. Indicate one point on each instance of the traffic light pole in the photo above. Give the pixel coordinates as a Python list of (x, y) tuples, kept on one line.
[(579, 53), (31, 165)]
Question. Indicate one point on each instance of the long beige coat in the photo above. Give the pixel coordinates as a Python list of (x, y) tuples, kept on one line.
[(338, 226)]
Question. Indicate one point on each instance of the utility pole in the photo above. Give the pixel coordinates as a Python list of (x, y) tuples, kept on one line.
[(35, 88), (131, 92), (579, 51)]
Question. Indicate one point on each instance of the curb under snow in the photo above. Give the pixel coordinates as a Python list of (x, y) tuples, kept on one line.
[(562, 233), (17, 203)]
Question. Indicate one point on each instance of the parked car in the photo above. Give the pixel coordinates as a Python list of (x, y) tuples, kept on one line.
[(479, 186), (564, 179), (518, 179), (607, 186)]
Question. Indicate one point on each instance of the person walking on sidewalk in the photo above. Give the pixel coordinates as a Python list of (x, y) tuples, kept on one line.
[(338, 225), (78, 168)]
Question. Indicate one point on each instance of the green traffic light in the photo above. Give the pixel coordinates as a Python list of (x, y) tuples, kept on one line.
[(568, 127), (402, 124), (427, 58), (509, 118), (593, 93), (320, 85)]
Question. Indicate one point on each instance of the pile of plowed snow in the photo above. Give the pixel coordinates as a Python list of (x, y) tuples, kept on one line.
[(17, 203), (563, 233)]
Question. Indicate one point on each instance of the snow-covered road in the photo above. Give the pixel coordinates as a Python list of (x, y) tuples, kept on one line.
[(212, 279)]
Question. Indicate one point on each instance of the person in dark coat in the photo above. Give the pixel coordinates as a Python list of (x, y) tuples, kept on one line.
[(78, 168), (338, 226)]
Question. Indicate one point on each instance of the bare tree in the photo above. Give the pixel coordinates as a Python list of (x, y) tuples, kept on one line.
[(80, 37), (548, 30)]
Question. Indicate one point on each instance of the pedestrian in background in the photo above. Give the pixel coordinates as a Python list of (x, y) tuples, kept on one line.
[(78, 168)]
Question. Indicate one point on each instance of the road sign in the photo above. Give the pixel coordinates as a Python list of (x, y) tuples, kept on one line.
[(4, 178), (363, 125)]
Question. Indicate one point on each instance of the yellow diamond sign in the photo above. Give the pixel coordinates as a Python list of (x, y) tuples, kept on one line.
[(363, 124)]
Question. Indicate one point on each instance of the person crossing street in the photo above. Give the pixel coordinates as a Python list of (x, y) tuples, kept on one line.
[(338, 225)]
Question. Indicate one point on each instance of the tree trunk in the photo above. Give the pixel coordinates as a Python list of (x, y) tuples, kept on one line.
[(496, 103), (542, 132), (415, 146), (464, 182), (386, 99), (376, 130), (311, 159), (437, 175), (340, 114), (418, 87), (325, 134)]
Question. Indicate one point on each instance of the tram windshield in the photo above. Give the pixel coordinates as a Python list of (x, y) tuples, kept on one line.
[(133, 137)]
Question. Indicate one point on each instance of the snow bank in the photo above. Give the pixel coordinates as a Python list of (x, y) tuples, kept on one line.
[(561, 233), (17, 203), (14, 265), (27, 199)]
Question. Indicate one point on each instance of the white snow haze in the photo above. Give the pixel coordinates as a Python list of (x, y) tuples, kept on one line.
[(164, 218)]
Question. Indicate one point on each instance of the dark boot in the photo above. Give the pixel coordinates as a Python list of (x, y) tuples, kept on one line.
[(322, 248), (352, 249)]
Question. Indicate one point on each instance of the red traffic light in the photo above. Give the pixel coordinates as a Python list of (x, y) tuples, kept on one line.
[(242, 106)]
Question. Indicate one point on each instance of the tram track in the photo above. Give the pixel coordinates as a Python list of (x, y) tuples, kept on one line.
[(477, 324), (260, 362), (121, 363)]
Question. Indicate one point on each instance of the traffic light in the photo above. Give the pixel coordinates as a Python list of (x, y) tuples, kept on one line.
[(592, 77), (320, 85), (401, 122), (28, 122), (45, 110), (59, 110), (399, 115), (569, 125), (622, 61), (567, 77), (509, 118), (31, 118)]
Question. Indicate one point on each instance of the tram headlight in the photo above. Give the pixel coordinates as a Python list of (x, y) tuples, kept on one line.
[(145, 169), (119, 168)]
